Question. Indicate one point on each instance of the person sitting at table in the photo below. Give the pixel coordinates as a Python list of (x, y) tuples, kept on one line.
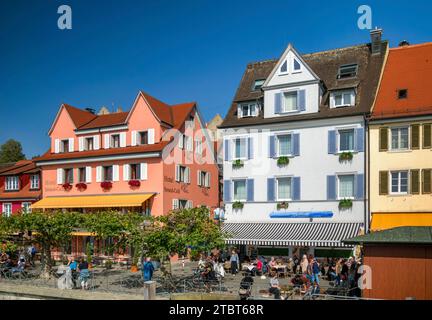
[(272, 264), (259, 267), (274, 287), (290, 266), (19, 268)]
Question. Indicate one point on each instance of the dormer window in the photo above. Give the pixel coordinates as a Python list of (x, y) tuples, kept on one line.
[(403, 94), (296, 65), (115, 141), (347, 71), (342, 98), (248, 110), (12, 183), (65, 145), (89, 143), (290, 101), (284, 67), (258, 84)]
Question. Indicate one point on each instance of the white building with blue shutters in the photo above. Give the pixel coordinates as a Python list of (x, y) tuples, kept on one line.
[(294, 151)]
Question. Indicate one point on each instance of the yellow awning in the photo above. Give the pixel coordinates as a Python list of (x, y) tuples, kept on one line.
[(102, 201), (383, 221)]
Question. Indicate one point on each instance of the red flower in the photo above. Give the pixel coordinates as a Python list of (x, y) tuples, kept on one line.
[(67, 186), (106, 185), (81, 186), (134, 183)]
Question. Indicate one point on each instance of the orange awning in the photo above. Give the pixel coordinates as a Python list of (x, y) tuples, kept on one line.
[(383, 221)]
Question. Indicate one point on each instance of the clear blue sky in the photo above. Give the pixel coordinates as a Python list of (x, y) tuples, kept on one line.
[(178, 51)]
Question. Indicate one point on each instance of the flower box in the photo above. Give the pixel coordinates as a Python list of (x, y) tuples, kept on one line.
[(237, 164), (282, 205), (346, 156), (67, 186), (134, 183), (282, 161), (106, 185), (81, 186), (237, 205), (345, 204)]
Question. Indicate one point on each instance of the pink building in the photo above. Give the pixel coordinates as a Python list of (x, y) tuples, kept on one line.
[(154, 158)]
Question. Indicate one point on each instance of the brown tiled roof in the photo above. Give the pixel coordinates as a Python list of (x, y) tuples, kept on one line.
[(326, 65), (21, 194), (161, 109), (106, 120), (79, 117), (23, 166)]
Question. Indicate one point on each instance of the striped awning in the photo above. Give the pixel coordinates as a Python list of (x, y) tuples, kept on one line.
[(325, 234)]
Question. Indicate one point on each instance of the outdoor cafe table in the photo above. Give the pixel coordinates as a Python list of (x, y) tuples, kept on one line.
[(248, 267)]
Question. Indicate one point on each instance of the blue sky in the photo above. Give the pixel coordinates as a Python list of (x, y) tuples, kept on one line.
[(178, 51)]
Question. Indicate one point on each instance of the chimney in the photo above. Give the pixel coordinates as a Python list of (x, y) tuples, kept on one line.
[(404, 43), (376, 40), (91, 110)]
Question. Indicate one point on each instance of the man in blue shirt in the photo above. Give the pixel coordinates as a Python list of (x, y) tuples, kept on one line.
[(73, 264)]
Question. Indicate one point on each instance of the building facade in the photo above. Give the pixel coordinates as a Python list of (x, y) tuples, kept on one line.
[(294, 150), (400, 141), (152, 159)]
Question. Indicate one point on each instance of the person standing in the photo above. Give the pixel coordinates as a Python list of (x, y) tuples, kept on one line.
[(304, 264), (84, 274), (315, 271), (148, 270), (234, 259), (73, 265)]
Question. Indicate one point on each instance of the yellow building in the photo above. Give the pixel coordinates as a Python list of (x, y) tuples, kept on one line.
[(400, 154)]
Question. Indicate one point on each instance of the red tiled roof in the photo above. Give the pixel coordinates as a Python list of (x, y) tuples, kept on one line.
[(23, 166), (106, 120), (162, 110), (180, 113), (21, 194), (79, 117), (407, 67)]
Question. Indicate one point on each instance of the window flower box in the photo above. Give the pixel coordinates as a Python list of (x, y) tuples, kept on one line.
[(237, 164), (282, 205), (282, 161), (67, 186), (81, 186), (106, 185), (346, 156), (237, 205), (134, 183), (345, 204)]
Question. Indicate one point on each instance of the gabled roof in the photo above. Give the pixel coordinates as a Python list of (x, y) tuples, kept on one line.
[(400, 235), (20, 167), (408, 67), (325, 65), (106, 120), (79, 117)]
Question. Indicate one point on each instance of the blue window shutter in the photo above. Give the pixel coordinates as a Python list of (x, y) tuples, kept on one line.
[(227, 190), (296, 144), (359, 139), (272, 144), (278, 102), (332, 141), (270, 189), (296, 188), (227, 149), (331, 187), (250, 189), (302, 100), (359, 186), (250, 148)]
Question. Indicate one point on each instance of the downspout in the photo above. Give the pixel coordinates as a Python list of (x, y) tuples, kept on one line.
[(366, 176)]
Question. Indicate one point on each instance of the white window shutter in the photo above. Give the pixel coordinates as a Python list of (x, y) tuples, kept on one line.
[(181, 140), (199, 178), (106, 141), (187, 175), (151, 136), (123, 139), (99, 174), (57, 146), (96, 143), (239, 113), (60, 176), (189, 204), (177, 172), (116, 172), (207, 183), (71, 144), (81, 143), (190, 144), (134, 135), (126, 172), (88, 174), (143, 171)]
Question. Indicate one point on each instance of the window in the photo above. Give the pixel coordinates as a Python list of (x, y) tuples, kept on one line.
[(248, 110), (65, 145), (296, 65), (399, 138), (346, 140), (107, 173), (347, 71), (68, 175), (258, 84), (89, 143), (284, 67), (12, 183), (239, 190), (26, 207), (183, 174), (240, 148), (115, 141), (204, 179), (34, 181), (7, 209), (399, 182), (284, 147), (289, 101), (346, 186), (403, 94), (342, 98), (82, 175), (135, 172), (198, 147), (283, 186), (183, 204), (143, 137)]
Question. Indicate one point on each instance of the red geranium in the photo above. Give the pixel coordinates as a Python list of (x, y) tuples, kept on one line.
[(134, 183), (67, 186), (106, 185), (81, 186)]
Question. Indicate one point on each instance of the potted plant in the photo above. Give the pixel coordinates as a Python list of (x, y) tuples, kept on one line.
[(237, 205), (345, 156), (81, 186), (237, 164), (108, 264), (67, 186), (106, 185), (345, 204), (134, 183), (282, 205), (282, 161)]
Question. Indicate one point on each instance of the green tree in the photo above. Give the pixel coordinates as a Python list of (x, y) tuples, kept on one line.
[(11, 151)]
